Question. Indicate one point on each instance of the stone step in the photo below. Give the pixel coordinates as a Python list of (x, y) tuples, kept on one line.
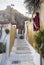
[(19, 48), (26, 63), (21, 45), (19, 63), (19, 55), (20, 59), (21, 51), (22, 48), (20, 42)]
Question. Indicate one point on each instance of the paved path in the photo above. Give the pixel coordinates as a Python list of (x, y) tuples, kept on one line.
[(21, 54)]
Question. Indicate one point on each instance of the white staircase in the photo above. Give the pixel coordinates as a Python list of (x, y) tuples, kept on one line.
[(21, 54)]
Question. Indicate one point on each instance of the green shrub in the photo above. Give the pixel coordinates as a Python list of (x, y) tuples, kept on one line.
[(39, 39)]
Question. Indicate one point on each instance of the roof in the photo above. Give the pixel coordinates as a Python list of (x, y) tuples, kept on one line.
[(13, 23)]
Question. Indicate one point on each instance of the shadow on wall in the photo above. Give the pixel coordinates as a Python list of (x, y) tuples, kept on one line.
[(12, 37)]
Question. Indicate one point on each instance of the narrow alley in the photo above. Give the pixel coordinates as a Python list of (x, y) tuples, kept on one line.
[(21, 54)]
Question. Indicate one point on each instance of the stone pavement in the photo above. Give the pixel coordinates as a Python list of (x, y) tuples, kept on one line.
[(20, 54)]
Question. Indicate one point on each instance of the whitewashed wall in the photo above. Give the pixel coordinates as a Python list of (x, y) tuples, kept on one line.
[(4, 56), (7, 40)]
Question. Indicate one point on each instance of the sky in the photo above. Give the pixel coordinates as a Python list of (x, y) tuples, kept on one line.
[(18, 5)]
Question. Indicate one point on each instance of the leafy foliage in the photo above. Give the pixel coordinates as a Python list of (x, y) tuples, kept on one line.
[(39, 39)]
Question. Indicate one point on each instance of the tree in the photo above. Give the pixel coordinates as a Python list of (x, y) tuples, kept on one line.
[(32, 5)]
